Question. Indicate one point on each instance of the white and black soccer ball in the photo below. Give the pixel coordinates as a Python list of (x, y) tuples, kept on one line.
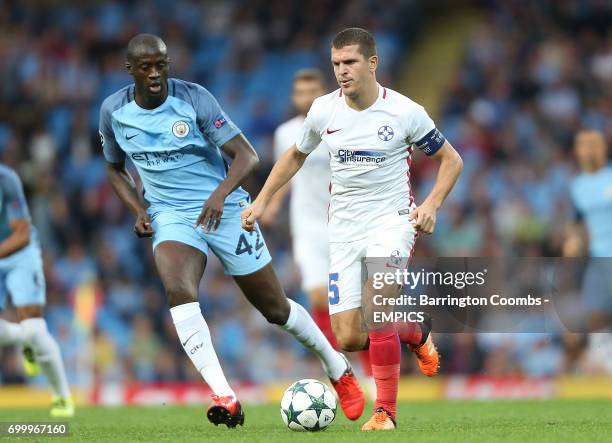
[(308, 405)]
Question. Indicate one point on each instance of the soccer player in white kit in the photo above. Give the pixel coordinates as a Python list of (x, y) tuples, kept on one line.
[(369, 132)]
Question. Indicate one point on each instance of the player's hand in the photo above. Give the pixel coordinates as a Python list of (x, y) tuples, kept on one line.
[(250, 215), (142, 227), (425, 216), (210, 217)]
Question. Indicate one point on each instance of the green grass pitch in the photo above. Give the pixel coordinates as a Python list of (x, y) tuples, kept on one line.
[(431, 421)]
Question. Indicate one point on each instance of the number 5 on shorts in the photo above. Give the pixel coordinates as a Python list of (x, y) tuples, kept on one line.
[(334, 292)]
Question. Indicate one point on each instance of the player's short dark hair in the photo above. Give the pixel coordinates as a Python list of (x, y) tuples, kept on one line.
[(356, 36), (309, 75)]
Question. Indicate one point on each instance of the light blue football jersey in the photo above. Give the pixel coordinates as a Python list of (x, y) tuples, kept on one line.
[(592, 198), (175, 147), (13, 205)]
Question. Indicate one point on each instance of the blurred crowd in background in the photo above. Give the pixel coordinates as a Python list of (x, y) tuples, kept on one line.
[(532, 74)]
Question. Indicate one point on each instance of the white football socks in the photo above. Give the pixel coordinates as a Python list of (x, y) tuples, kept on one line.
[(304, 329), (194, 335), (48, 355), (11, 333)]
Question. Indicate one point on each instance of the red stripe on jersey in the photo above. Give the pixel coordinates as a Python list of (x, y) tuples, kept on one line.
[(409, 164), (329, 204), (384, 92), (340, 95)]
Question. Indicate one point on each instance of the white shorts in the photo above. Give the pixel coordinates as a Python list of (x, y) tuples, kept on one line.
[(389, 240), (312, 257)]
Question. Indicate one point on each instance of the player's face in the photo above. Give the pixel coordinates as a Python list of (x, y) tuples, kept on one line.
[(150, 72), (304, 93), (590, 149), (352, 70)]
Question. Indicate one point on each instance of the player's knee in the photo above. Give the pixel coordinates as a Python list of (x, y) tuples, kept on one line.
[(179, 294), (277, 314), (349, 341)]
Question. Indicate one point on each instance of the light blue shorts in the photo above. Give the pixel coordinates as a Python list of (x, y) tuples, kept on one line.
[(22, 277), (240, 252)]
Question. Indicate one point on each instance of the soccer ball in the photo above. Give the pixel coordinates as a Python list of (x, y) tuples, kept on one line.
[(308, 405)]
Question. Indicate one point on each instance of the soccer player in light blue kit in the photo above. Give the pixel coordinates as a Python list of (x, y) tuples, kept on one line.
[(591, 193), (174, 132), (21, 277)]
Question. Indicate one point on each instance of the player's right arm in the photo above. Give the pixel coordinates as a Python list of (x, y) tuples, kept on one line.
[(285, 168), (120, 179), (18, 217), (124, 186)]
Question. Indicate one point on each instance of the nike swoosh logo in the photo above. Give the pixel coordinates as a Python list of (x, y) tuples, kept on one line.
[(331, 131), (189, 338), (257, 256), (129, 137)]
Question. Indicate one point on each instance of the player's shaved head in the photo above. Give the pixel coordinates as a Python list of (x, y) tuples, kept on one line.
[(356, 36), (145, 44)]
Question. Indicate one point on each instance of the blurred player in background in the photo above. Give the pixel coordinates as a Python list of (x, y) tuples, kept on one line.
[(591, 233), (174, 132), (309, 201), (368, 131), (21, 276), (309, 205)]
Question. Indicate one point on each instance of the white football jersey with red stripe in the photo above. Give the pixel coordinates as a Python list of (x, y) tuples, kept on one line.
[(369, 156)]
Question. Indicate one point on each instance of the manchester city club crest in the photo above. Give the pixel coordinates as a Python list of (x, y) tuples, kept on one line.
[(385, 133), (180, 129)]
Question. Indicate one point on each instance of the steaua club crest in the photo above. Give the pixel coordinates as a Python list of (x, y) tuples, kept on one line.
[(180, 129), (385, 133)]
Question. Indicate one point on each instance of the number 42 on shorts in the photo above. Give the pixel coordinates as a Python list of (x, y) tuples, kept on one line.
[(245, 246)]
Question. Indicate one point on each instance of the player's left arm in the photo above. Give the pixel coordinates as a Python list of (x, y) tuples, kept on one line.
[(244, 162), (450, 167), (18, 218), (219, 129)]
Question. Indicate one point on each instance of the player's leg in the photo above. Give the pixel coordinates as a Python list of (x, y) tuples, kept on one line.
[(264, 291), (397, 241), (181, 268), (41, 350), (246, 258), (385, 356), (385, 350), (26, 283), (180, 259), (312, 258)]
